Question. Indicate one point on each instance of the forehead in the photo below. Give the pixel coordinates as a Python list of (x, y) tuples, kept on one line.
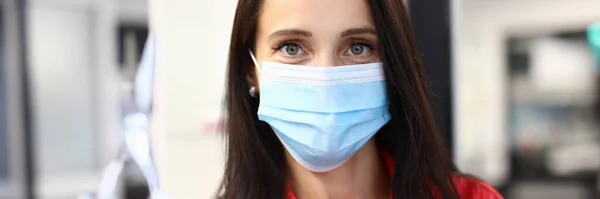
[(314, 15)]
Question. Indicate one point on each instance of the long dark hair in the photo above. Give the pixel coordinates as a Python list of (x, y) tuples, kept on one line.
[(255, 158)]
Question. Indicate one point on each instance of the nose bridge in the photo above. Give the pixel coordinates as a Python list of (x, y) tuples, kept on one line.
[(326, 59)]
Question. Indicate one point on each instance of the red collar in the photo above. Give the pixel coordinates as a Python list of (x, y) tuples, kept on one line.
[(389, 163), (467, 187)]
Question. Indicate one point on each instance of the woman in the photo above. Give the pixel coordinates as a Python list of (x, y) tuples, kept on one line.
[(327, 99)]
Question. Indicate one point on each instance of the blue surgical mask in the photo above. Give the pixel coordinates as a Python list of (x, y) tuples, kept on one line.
[(323, 115)]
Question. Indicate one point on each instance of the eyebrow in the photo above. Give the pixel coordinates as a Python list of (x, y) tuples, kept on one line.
[(304, 33), (290, 32), (358, 31)]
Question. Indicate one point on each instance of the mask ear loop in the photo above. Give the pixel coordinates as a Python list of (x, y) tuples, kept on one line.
[(254, 60)]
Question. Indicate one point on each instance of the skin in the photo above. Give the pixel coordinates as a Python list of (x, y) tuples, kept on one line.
[(324, 33)]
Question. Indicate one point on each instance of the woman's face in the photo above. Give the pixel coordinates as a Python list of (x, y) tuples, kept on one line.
[(321, 33)]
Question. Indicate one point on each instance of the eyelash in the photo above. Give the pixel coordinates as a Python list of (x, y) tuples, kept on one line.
[(362, 43), (289, 43), (285, 43)]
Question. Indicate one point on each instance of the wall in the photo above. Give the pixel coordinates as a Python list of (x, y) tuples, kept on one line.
[(193, 40), (71, 49), (132, 11), (3, 127), (480, 80), (61, 72)]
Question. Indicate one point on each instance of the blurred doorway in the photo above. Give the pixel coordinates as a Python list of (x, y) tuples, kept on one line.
[(555, 141), (131, 41)]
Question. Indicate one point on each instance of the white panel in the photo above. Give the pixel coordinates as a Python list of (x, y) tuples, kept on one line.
[(562, 67), (62, 4), (62, 80), (191, 57)]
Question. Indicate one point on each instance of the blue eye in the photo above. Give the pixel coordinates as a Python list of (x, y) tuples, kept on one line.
[(290, 49), (358, 49)]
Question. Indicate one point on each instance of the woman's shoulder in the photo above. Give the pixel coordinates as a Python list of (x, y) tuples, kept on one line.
[(470, 187)]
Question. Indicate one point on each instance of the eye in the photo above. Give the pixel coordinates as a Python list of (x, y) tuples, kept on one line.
[(358, 49), (290, 49)]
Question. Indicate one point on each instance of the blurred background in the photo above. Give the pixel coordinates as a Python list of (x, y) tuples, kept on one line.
[(516, 86)]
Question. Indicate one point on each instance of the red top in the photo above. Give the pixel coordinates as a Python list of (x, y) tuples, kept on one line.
[(468, 187)]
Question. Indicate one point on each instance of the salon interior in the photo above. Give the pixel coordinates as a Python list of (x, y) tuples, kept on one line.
[(515, 84)]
